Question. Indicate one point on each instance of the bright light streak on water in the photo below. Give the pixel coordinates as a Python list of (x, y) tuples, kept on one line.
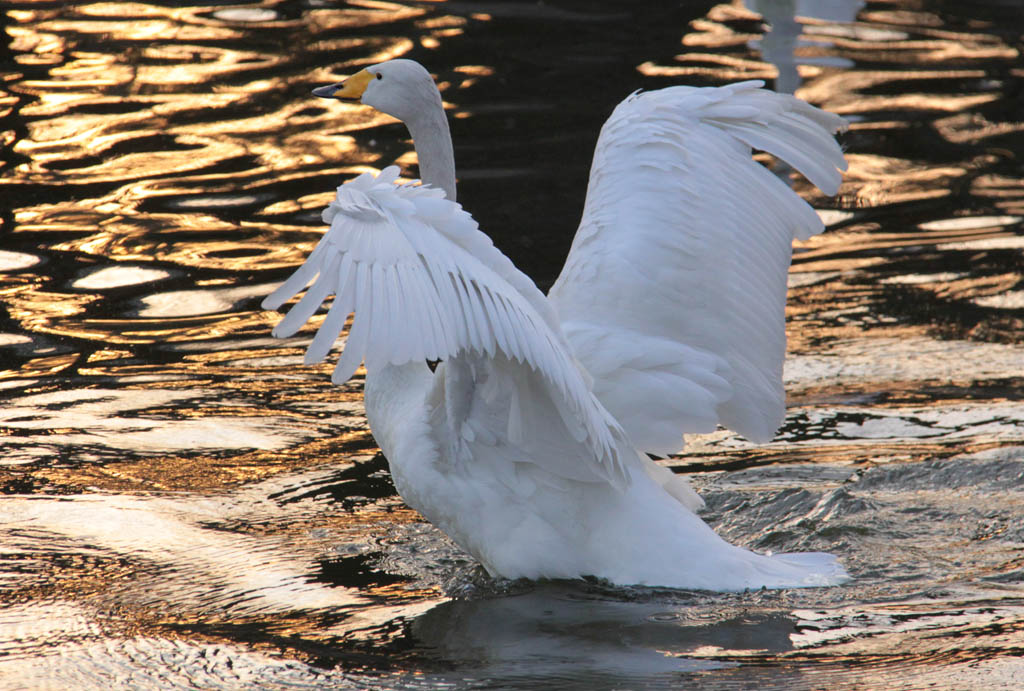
[(187, 505)]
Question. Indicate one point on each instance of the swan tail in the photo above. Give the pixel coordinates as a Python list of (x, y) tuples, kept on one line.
[(798, 570)]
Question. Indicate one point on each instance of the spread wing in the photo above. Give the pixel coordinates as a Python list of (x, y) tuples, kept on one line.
[(426, 284), (674, 291)]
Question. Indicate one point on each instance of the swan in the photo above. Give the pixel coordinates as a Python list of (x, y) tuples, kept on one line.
[(530, 441)]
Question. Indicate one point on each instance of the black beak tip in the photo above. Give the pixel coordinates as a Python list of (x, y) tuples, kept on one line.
[(326, 91)]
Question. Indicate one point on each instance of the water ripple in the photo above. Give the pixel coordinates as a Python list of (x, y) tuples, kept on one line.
[(186, 504)]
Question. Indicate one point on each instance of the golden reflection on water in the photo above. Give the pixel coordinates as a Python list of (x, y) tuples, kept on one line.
[(169, 166)]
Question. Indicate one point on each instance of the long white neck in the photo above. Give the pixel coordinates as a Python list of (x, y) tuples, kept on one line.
[(394, 394), (433, 140)]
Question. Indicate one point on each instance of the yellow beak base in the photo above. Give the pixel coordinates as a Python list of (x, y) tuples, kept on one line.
[(354, 86)]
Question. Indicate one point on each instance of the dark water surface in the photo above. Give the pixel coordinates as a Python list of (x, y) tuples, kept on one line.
[(187, 506)]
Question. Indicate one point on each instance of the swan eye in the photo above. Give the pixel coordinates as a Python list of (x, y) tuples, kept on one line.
[(379, 75)]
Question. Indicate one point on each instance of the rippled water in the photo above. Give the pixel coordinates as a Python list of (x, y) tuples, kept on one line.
[(187, 505)]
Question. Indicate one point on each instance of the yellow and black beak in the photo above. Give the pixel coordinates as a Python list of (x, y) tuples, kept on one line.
[(350, 89)]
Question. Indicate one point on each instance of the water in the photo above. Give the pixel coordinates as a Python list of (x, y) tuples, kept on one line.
[(188, 506)]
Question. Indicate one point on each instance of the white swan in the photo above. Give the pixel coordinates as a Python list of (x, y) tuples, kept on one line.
[(527, 445)]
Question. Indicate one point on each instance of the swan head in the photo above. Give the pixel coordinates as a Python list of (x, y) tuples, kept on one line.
[(400, 88)]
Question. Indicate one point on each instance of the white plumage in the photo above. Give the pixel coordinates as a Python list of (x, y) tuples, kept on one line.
[(527, 445), (680, 220)]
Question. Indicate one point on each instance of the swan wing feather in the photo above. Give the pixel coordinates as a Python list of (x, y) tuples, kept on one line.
[(424, 283), (673, 293)]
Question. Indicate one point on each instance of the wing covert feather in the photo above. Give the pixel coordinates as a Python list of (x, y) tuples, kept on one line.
[(425, 284), (683, 250)]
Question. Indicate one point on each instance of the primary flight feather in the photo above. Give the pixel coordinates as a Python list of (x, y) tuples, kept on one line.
[(528, 443)]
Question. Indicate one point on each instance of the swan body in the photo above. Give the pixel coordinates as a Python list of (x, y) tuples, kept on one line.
[(528, 442)]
